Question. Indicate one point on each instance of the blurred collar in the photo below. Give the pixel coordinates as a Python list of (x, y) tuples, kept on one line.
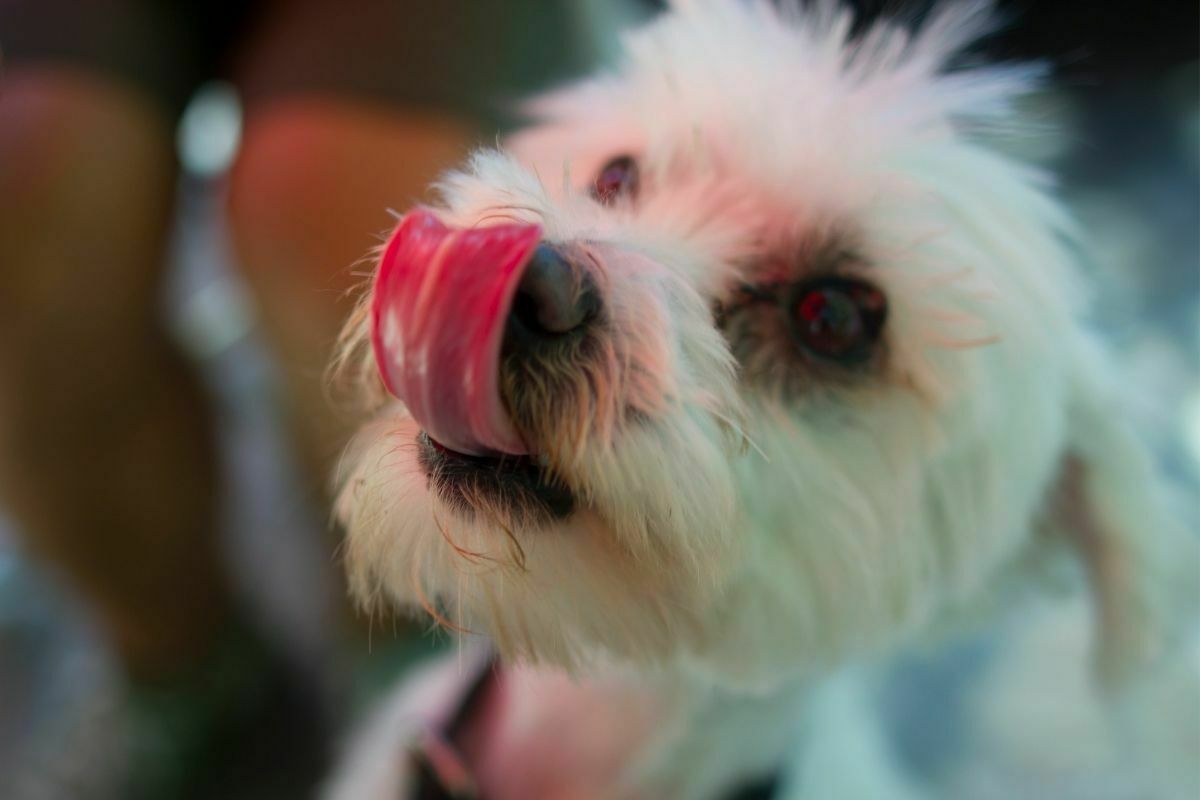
[(442, 773)]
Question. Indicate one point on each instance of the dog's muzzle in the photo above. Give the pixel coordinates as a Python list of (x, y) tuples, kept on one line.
[(450, 305)]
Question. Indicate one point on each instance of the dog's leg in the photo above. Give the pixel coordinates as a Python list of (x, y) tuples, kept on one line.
[(846, 753), (1041, 725)]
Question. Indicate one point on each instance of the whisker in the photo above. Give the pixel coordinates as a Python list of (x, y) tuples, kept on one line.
[(429, 607), (747, 439), (469, 555)]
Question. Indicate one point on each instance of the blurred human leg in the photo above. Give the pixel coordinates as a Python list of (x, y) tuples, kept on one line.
[(308, 198), (106, 458)]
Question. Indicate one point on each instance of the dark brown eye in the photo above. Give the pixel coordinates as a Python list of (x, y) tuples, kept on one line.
[(837, 319), (618, 178)]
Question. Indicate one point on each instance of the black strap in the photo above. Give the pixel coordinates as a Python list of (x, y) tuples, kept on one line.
[(764, 788), (441, 771)]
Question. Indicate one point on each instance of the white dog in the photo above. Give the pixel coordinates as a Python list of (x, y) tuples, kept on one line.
[(743, 371)]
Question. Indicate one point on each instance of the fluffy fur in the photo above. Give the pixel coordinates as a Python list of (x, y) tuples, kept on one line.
[(754, 529)]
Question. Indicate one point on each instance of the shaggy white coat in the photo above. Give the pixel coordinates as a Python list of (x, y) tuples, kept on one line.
[(763, 539)]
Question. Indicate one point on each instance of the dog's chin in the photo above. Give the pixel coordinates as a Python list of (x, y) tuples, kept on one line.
[(626, 560), (520, 491)]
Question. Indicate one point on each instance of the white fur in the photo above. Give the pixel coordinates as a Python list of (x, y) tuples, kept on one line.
[(753, 539)]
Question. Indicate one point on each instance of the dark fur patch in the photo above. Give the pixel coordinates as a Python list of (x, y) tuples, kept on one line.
[(516, 487)]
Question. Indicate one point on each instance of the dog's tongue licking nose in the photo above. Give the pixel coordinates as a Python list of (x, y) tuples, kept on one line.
[(441, 299)]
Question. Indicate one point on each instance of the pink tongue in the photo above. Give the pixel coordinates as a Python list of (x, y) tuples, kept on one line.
[(437, 319)]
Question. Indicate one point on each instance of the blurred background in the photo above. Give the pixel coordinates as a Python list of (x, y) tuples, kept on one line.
[(186, 190)]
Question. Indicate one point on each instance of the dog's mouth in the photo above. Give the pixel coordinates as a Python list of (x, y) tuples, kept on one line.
[(518, 488)]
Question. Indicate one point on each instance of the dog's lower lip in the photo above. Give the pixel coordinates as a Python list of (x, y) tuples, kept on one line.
[(518, 485), (497, 461), (441, 448)]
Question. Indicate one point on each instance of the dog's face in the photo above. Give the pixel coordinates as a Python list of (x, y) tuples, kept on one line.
[(744, 354)]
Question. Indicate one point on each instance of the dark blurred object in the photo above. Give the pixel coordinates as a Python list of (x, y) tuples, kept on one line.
[(165, 46), (1100, 41), (1088, 41), (462, 54)]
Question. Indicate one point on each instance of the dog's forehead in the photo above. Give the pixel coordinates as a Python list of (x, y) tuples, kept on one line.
[(750, 92), (782, 96)]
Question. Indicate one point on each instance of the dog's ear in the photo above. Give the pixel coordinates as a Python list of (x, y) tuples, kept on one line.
[(1111, 506)]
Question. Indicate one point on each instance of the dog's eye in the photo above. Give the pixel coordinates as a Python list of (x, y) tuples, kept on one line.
[(837, 319), (618, 178)]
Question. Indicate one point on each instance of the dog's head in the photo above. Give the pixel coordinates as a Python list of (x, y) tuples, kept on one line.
[(745, 354)]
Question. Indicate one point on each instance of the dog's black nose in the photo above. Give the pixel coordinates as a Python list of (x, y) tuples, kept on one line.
[(555, 297)]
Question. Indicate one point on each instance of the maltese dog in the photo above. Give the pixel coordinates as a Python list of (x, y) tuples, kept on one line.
[(744, 372)]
